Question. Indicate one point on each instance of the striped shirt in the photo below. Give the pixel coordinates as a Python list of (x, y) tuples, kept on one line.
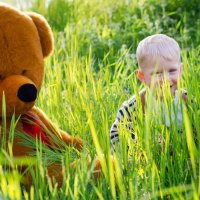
[(127, 113)]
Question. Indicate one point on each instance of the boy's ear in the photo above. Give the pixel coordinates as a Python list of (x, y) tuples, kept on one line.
[(140, 75)]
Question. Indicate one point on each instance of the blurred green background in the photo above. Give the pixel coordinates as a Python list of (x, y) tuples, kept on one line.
[(111, 26)]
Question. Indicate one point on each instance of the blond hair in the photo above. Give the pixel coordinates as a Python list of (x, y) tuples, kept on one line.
[(158, 45)]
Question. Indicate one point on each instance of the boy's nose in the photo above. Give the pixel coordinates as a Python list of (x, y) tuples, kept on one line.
[(166, 79), (165, 76)]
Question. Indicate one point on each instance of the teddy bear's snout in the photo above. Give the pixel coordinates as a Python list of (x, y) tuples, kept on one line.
[(27, 93)]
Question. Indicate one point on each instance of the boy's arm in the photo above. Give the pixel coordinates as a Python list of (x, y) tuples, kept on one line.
[(124, 118), (114, 136)]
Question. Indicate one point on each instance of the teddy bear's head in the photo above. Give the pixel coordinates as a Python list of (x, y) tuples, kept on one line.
[(25, 40)]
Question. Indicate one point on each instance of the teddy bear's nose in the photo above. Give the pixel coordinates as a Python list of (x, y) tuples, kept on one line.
[(27, 93)]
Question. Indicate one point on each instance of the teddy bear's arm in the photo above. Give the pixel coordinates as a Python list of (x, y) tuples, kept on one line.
[(68, 139)]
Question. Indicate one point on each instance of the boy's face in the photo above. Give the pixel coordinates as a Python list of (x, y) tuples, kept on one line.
[(155, 70)]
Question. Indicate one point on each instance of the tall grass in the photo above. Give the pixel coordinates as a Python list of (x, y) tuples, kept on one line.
[(91, 72)]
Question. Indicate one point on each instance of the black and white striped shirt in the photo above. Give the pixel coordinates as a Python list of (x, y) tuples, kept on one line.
[(126, 114)]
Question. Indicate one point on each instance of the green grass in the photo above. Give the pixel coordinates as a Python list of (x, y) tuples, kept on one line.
[(91, 72)]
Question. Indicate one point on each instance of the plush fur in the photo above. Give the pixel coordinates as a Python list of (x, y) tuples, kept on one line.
[(25, 40)]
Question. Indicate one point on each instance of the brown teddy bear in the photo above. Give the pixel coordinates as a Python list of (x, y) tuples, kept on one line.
[(25, 40)]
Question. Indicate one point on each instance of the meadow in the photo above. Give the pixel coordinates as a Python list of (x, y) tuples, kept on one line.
[(87, 78)]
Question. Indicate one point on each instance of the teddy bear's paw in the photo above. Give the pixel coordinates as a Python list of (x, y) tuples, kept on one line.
[(77, 143), (97, 169)]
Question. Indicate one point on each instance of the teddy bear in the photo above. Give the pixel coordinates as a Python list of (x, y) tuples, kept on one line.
[(26, 39)]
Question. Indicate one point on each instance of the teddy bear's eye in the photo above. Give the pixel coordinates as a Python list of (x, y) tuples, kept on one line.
[(1, 77), (24, 72)]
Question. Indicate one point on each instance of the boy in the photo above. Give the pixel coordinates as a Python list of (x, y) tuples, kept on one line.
[(160, 64)]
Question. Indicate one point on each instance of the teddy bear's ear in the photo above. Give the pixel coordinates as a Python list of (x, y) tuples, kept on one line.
[(44, 31)]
